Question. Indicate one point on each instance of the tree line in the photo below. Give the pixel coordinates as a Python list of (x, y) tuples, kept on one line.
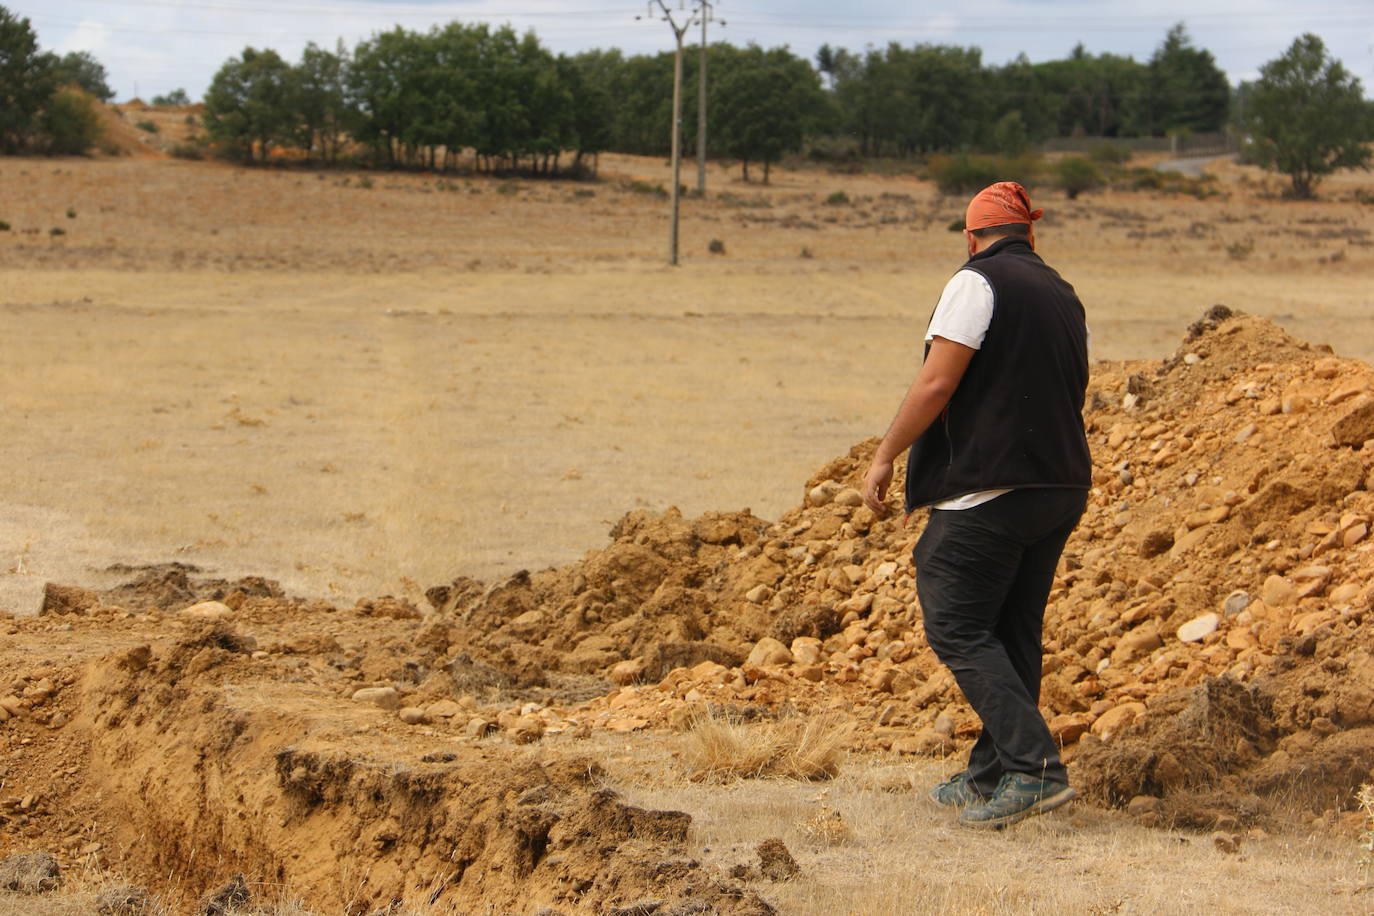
[(496, 100)]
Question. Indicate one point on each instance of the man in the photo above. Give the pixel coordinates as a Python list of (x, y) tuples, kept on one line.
[(998, 452)]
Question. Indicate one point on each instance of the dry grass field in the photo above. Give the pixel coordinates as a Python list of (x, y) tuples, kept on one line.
[(358, 383), (364, 383)]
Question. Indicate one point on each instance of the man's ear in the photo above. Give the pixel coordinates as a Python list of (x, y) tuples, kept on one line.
[(972, 243)]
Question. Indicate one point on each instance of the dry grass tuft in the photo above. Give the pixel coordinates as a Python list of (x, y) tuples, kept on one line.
[(802, 747), (1366, 799), (827, 827)]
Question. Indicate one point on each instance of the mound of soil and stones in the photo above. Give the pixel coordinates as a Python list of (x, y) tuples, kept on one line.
[(1208, 663)]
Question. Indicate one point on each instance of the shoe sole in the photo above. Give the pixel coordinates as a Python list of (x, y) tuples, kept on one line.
[(1046, 804)]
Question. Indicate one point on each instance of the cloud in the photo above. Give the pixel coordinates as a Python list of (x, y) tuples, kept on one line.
[(89, 35)]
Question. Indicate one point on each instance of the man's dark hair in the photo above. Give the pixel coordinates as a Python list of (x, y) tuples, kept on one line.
[(1021, 230)]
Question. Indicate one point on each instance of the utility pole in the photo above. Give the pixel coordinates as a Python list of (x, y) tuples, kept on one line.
[(701, 102), (688, 19)]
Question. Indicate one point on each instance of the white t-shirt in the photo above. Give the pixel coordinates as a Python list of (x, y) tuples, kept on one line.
[(963, 315)]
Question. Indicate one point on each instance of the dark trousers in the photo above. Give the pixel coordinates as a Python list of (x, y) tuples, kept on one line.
[(983, 575)]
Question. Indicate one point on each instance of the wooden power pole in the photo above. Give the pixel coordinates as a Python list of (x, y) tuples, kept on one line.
[(701, 103), (688, 19)]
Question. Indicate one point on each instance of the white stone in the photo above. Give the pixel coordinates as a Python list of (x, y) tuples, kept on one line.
[(1198, 628)]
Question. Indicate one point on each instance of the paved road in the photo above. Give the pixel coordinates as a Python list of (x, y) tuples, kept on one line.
[(1190, 166)]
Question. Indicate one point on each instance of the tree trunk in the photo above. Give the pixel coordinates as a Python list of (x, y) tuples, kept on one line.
[(765, 171)]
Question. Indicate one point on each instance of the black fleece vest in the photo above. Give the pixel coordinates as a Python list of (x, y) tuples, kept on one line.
[(1016, 419)]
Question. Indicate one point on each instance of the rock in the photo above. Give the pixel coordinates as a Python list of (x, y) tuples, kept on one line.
[(1198, 628), (1344, 594), (1236, 602), (527, 730), (823, 493), (383, 697), (758, 594), (1144, 804), (1067, 728), (1116, 718), (1140, 641), (849, 497), (775, 862), (413, 715), (443, 709), (1278, 592), (926, 742), (123, 901), (23, 595), (208, 610), (629, 671), (1356, 427), (479, 726), (30, 873), (226, 900), (944, 725), (769, 652), (806, 650)]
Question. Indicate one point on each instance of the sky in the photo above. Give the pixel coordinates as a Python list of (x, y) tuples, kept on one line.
[(150, 47)]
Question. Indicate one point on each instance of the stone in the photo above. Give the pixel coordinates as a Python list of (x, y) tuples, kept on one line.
[(479, 727), (527, 730), (626, 672), (1236, 602), (1278, 592), (413, 715), (1354, 534), (927, 742), (1344, 594), (1116, 718), (849, 497), (775, 862), (1198, 628), (208, 610), (823, 493), (758, 594), (22, 595), (1067, 728), (1140, 641), (767, 652), (383, 697), (30, 873), (1356, 427), (1144, 804), (944, 724), (443, 709), (806, 650)]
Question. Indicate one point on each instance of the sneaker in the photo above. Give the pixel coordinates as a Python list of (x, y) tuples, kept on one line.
[(1018, 796), (956, 792)]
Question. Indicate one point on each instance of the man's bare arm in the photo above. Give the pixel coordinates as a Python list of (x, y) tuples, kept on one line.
[(934, 385)]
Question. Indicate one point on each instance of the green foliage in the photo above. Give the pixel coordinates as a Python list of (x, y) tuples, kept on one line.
[(79, 68), (27, 81), (1307, 116), (1109, 153), (4, 226), (645, 187), (762, 105), (246, 105), (1010, 136), (175, 98), (1185, 90), (966, 173), (148, 126), (1241, 249), (1076, 174), (838, 199), (71, 213), (56, 231), (193, 149), (70, 124)]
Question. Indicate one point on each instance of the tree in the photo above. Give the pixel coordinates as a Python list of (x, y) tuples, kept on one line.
[(27, 82), (246, 105), (81, 69), (763, 105), (1307, 116), (172, 99), (1186, 91), (70, 124), (316, 96)]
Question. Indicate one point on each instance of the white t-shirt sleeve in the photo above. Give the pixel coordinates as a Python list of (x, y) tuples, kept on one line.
[(964, 311)]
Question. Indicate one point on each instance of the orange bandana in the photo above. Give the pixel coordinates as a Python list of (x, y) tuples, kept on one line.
[(1000, 204)]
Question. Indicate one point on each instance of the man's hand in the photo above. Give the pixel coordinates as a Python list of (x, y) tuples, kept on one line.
[(876, 482)]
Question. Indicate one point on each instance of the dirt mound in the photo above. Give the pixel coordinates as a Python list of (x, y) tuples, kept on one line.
[(189, 762)]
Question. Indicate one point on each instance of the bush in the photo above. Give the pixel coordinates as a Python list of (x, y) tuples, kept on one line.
[(71, 124), (149, 126), (1109, 153), (4, 226), (965, 173), (837, 199), (1076, 174), (644, 187), (193, 148)]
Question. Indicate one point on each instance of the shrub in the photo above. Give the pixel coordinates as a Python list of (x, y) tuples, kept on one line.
[(584, 192), (365, 182), (1109, 153), (71, 124), (4, 226), (1076, 174), (149, 126), (1365, 797), (644, 187), (190, 149), (512, 187), (1240, 250), (837, 199), (809, 747), (71, 213), (965, 173), (56, 231)]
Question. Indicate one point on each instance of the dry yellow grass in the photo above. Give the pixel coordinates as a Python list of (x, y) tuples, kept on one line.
[(720, 749)]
